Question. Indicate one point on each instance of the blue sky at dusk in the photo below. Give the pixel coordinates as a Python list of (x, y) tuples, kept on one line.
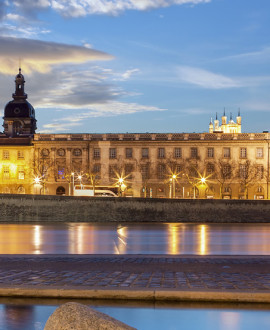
[(138, 65)]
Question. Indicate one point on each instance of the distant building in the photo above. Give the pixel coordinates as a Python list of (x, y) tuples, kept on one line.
[(223, 163)]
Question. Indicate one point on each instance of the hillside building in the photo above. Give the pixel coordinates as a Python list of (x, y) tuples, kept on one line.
[(223, 163)]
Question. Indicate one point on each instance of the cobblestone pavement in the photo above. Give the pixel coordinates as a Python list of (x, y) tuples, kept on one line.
[(242, 273)]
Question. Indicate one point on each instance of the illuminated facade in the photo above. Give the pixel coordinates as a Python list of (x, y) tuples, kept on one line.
[(223, 163)]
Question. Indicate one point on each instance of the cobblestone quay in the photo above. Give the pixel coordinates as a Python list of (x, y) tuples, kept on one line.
[(193, 278), (23, 208)]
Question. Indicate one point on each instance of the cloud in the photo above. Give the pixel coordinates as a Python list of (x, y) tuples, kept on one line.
[(78, 8), (261, 55), (206, 79), (41, 55), (109, 109)]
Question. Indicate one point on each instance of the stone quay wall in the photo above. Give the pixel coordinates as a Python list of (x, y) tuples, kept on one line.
[(39, 208)]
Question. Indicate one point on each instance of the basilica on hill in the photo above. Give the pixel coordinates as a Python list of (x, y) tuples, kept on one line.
[(222, 163)]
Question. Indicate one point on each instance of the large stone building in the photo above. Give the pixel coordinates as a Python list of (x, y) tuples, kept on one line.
[(223, 163)]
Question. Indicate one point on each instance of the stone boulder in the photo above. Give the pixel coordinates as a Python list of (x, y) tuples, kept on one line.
[(74, 316)]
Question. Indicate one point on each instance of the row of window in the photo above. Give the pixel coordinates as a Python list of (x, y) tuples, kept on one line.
[(6, 172), (177, 153), (6, 154), (244, 171)]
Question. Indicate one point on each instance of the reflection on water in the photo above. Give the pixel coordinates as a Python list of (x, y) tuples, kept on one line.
[(131, 238), (34, 314)]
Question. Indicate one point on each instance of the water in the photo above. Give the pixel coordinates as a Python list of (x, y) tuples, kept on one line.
[(146, 316), (146, 238)]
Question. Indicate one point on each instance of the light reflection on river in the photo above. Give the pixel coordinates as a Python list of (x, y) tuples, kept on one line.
[(141, 316), (147, 238)]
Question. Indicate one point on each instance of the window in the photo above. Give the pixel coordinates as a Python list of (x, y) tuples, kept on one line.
[(145, 171), (226, 152), (128, 152), (128, 170), (227, 189), (145, 152), (259, 172), (77, 152), (96, 168), (6, 172), (61, 172), (193, 172), (243, 152), (112, 171), (96, 153), (5, 154), (161, 170), (161, 152), (96, 172), (177, 152), (227, 171), (259, 153), (193, 152), (20, 172), (242, 171), (210, 152), (112, 153), (210, 169), (260, 189), (179, 168), (20, 154), (61, 152), (44, 171)]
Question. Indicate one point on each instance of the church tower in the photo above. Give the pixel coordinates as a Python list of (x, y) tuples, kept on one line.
[(19, 115)]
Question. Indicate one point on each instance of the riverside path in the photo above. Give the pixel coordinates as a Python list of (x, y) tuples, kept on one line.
[(140, 277)]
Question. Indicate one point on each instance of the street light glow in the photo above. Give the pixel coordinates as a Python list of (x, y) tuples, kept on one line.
[(203, 180), (37, 180)]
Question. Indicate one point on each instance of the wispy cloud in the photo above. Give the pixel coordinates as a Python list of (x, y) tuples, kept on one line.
[(78, 8), (258, 55), (109, 109), (206, 79)]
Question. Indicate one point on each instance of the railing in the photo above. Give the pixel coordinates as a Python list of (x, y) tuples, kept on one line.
[(152, 137)]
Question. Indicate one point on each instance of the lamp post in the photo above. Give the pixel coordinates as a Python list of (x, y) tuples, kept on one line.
[(36, 183), (173, 185), (80, 178), (121, 186)]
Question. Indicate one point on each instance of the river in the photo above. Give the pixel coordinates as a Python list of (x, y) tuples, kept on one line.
[(147, 238)]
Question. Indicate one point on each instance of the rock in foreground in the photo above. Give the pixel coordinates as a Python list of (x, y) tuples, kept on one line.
[(74, 316)]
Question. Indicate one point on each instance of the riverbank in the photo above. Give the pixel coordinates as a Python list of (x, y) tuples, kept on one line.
[(136, 277), (39, 208)]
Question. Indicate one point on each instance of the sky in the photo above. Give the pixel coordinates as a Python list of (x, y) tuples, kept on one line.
[(117, 66)]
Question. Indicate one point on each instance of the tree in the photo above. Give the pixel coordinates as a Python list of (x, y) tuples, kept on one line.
[(224, 174), (249, 173)]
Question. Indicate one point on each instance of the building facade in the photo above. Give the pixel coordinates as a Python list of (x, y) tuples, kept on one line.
[(223, 163)]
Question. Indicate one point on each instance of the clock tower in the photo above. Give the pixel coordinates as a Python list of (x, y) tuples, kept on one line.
[(19, 115)]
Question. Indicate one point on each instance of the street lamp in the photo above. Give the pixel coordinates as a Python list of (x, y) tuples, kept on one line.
[(80, 178), (121, 186), (37, 183), (173, 185)]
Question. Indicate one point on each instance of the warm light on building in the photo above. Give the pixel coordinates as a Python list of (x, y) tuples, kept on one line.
[(159, 165)]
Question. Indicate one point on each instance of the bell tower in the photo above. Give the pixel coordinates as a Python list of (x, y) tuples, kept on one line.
[(19, 115)]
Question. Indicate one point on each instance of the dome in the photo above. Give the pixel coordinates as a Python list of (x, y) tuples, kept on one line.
[(15, 109)]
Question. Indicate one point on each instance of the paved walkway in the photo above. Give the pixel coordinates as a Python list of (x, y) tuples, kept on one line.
[(210, 278)]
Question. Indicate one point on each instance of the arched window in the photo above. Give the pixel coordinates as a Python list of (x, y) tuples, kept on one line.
[(60, 191), (21, 190)]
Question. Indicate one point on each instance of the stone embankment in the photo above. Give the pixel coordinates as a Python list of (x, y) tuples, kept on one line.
[(39, 208)]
